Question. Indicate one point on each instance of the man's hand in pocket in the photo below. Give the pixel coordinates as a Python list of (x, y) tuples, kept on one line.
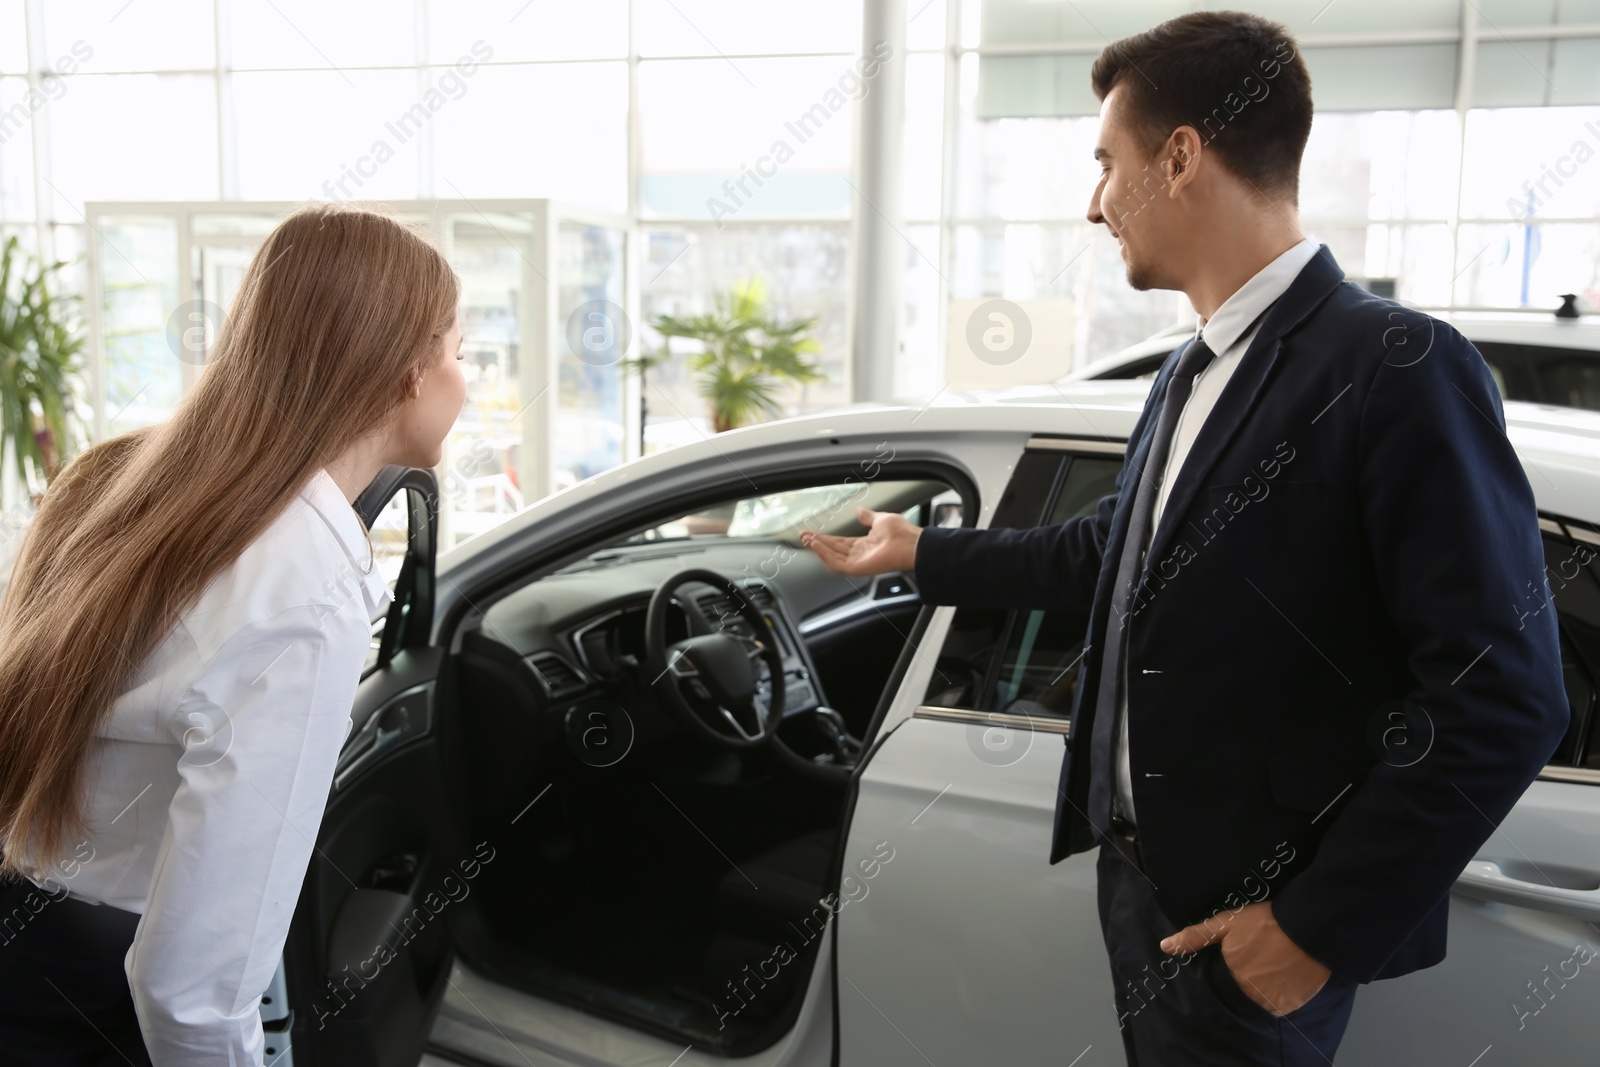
[(1271, 969)]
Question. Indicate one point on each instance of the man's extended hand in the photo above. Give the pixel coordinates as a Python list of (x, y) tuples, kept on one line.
[(1271, 969), (890, 544)]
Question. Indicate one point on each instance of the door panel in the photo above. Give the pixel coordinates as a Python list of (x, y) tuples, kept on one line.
[(1524, 917), (973, 945), (1515, 976), (969, 947), (369, 950)]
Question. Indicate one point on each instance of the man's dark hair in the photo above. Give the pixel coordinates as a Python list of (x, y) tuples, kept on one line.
[(1235, 77)]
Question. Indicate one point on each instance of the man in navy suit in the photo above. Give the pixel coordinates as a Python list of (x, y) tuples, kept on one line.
[(1308, 695)]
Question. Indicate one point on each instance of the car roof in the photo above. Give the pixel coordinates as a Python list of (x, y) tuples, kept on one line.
[(1535, 327), (1166, 341), (1559, 447)]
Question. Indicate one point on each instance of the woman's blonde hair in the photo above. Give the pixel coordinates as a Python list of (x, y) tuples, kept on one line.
[(336, 308)]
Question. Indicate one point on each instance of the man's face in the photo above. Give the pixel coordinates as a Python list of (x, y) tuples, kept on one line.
[(1131, 197)]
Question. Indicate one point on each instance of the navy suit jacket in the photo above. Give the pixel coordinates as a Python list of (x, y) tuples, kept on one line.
[(1334, 695)]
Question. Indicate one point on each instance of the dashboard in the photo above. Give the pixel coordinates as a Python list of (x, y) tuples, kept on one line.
[(582, 629)]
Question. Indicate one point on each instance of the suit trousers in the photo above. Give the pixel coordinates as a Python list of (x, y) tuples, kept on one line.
[(64, 997), (1192, 1013)]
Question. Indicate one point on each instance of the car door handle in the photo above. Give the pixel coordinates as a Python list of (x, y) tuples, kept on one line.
[(405, 717), (1484, 880)]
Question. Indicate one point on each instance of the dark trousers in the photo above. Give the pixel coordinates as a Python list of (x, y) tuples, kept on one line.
[(1187, 1014), (64, 998)]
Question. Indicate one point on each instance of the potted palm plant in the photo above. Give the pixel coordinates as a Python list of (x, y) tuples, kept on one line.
[(747, 355), (39, 362)]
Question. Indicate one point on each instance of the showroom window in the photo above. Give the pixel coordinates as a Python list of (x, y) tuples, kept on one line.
[(517, 102), (710, 128), (1415, 178)]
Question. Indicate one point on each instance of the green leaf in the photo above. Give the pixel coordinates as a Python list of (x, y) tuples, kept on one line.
[(747, 356), (40, 345)]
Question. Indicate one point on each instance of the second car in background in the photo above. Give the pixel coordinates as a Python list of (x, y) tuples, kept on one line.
[(1534, 356)]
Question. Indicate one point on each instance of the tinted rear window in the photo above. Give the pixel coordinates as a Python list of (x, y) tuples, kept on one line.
[(1544, 374)]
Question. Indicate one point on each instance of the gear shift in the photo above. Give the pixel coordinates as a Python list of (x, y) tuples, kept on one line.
[(831, 723)]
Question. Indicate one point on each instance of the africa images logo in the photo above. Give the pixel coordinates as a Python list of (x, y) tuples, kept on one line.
[(999, 332)]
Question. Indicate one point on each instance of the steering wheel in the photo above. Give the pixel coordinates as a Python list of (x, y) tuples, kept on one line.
[(720, 665)]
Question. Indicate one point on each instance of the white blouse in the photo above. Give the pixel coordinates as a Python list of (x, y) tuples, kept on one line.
[(210, 776)]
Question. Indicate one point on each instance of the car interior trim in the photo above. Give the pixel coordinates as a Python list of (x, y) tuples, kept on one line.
[(1577, 775), (1038, 724), (871, 602), (1578, 533), (406, 716), (1079, 444)]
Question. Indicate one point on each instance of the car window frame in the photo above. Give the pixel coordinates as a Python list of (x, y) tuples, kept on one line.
[(1064, 449), (1570, 531)]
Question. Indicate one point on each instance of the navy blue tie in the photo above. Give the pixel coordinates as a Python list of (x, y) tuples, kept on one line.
[(1130, 573)]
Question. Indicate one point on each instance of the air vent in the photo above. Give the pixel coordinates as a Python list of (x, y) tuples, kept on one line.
[(559, 676), (718, 609), (721, 607)]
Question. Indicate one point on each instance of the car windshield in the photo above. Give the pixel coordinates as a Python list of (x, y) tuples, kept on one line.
[(825, 508)]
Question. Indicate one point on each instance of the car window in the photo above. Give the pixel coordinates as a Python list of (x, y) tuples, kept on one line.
[(825, 508), (968, 652), (1025, 662), (1508, 368), (1544, 374), (1580, 698), (1567, 376), (1572, 575), (1039, 662), (390, 538), (1144, 368), (1147, 369), (1499, 377)]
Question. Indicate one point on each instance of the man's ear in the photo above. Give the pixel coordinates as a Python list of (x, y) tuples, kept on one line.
[(1181, 153)]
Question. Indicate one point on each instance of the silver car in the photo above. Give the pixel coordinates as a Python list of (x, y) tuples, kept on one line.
[(635, 780)]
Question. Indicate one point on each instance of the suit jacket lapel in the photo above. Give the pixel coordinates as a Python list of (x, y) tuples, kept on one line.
[(1310, 287)]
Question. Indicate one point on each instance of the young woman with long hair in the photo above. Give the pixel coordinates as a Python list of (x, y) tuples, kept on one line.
[(180, 645)]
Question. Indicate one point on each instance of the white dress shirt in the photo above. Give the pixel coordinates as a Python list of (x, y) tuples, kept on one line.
[(1224, 333), (210, 776)]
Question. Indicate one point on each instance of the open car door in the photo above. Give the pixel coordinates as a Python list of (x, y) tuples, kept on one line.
[(369, 949)]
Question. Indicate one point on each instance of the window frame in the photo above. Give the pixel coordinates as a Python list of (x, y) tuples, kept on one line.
[(1570, 532), (1013, 514)]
